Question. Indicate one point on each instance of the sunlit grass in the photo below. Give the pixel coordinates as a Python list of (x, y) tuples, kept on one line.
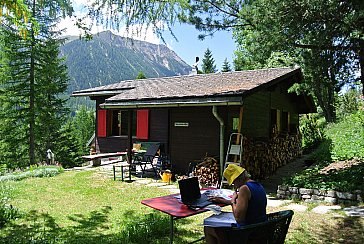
[(89, 207)]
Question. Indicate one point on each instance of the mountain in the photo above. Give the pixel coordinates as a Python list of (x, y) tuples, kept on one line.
[(109, 58)]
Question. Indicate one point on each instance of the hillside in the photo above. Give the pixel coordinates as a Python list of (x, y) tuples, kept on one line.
[(109, 58)]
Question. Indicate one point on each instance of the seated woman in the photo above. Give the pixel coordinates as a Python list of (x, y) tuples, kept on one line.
[(248, 202)]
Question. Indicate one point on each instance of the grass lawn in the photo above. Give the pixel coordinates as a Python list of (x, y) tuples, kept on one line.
[(89, 207)]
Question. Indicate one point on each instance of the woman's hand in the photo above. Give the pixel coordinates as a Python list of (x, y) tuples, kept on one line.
[(219, 200), (234, 197)]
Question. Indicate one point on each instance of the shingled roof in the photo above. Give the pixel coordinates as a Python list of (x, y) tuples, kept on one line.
[(201, 88)]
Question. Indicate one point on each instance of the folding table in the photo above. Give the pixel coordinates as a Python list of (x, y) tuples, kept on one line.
[(173, 207)]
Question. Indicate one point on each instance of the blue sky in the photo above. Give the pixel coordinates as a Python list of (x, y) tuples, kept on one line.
[(187, 47)]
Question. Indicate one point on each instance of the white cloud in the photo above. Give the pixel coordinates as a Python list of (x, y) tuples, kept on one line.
[(138, 32)]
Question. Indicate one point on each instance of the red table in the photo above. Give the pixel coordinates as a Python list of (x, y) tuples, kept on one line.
[(173, 207)]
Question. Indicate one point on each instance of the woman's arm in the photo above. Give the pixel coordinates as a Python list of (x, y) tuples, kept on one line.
[(240, 205)]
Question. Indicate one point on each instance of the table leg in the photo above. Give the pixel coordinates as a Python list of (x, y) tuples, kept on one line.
[(122, 173), (171, 231), (113, 169)]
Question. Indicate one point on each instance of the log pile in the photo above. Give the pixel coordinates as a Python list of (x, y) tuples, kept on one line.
[(207, 172), (262, 158)]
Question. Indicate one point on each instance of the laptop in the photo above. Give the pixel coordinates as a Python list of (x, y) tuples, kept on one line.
[(191, 194)]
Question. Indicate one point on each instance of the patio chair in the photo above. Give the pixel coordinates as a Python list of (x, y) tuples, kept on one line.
[(273, 231), (143, 160)]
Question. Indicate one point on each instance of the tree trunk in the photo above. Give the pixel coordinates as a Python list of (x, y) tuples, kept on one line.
[(361, 60), (31, 95)]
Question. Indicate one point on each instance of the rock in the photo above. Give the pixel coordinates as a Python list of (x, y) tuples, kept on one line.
[(359, 198), (346, 195), (306, 196), (305, 191), (330, 194), (319, 192), (325, 209), (282, 188), (331, 200), (293, 190), (317, 198)]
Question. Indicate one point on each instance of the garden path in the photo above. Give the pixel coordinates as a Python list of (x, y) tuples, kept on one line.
[(270, 184)]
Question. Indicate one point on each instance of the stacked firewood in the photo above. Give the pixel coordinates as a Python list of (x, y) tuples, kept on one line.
[(207, 172), (262, 158)]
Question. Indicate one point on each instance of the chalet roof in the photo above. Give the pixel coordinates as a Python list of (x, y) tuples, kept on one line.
[(226, 87)]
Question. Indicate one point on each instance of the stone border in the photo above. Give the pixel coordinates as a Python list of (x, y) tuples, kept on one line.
[(316, 195)]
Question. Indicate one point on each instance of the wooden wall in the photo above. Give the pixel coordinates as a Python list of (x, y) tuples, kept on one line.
[(192, 142)]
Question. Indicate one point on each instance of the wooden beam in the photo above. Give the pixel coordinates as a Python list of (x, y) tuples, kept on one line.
[(130, 137)]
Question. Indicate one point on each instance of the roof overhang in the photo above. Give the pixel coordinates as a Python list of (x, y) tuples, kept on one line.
[(167, 103)]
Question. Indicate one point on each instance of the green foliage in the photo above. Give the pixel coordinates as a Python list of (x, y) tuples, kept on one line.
[(140, 76), (349, 103), (344, 141), (68, 151), (226, 66), (347, 180), (7, 211), (347, 138), (151, 225), (208, 62), (312, 130), (35, 171), (32, 79)]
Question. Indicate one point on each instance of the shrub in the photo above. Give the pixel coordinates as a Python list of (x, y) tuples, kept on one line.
[(34, 171), (7, 211), (347, 137), (312, 130)]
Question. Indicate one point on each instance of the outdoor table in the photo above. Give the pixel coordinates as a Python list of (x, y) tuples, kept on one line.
[(96, 158), (173, 207)]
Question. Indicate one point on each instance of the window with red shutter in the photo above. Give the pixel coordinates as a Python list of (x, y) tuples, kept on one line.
[(142, 124), (101, 123)]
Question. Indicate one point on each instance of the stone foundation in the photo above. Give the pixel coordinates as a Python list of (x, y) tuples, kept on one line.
[(316, 195)]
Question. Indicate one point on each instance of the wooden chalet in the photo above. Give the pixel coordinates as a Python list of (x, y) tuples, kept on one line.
[(193, 115)]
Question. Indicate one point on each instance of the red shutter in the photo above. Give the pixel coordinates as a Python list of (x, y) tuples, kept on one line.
[(142, 131), (101, 123)]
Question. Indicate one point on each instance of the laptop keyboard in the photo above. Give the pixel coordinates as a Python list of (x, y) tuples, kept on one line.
[(203, 201)]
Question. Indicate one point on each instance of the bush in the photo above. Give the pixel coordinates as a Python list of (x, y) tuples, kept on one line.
[(34, 171), (347, 137), (312, 130), (7, 211)]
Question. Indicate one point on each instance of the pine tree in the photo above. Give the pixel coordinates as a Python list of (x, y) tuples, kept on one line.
[(140, 76), (208, 63), (226, 66), (33, 79)]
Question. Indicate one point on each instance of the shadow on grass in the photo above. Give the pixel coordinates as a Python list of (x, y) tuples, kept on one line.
[(347, 230), (37, 227)]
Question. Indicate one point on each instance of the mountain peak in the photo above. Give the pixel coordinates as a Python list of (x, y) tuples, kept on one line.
[(110, 58)]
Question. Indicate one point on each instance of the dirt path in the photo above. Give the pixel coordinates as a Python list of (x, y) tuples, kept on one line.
[(271, 183)]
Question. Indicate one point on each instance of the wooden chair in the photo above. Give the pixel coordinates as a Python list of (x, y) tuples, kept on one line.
[(273, 231)]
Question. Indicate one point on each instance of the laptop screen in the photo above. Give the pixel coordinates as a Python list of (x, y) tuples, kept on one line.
[(189, 189)]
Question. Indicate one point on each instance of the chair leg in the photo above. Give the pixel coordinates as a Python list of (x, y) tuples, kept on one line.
[(113, 168), (122, 173)]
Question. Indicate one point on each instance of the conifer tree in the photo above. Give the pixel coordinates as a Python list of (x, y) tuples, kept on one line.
[(226, 66), (140, 76), (208, 62), (33, 80)]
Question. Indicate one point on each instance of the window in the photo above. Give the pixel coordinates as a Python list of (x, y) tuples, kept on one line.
[(115, 123), (279, 121)]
